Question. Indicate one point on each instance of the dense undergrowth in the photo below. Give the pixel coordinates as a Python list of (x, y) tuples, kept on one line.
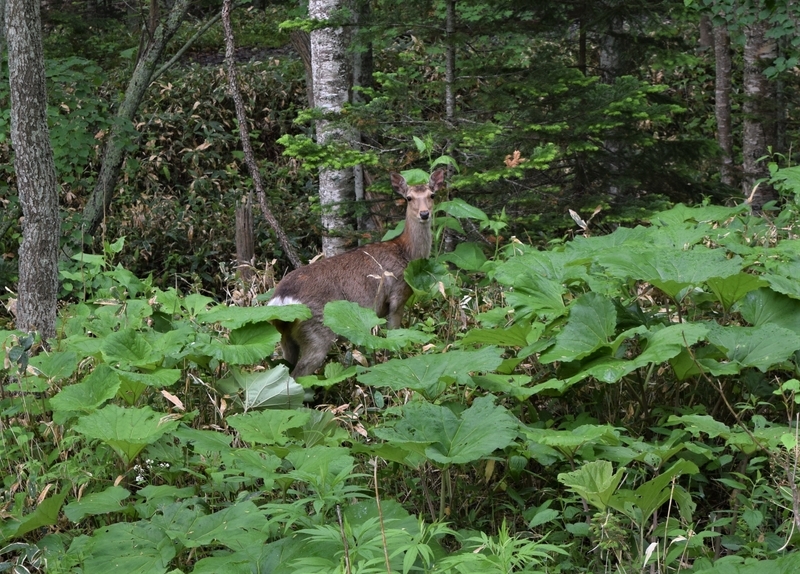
[(614, 403)]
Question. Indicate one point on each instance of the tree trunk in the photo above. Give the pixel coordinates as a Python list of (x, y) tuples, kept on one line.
[(611, 67), (35, 169), (245, 244), (331, 78), (301, 41), (363, 66), (450, 62), (759, 114), (611, 51), (114, 153), (706, 33), (722, 103)]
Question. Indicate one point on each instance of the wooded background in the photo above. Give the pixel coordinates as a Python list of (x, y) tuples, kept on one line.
[(621, 106)]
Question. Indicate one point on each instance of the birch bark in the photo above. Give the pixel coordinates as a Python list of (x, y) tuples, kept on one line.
[(759, 118), (722, 102), (332, 76)]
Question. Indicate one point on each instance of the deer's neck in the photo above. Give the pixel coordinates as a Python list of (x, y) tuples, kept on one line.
[(416, 239)]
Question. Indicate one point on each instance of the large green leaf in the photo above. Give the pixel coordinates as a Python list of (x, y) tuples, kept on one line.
[(449, 438), (127, 431), (55, 366), (236, 317), (671, 270), (595, 481), (46, 514), (130, 547), (697, 424), (571, 441), (423, 373), (248, 345), (99, 386), (96, 503), (269, 389), (786, 564), (766, 306), (728, 290), (320, 459), (699, 213), (128, 348), (761, 347), (157, 378), (268, 427), (356, 324), (592, 323), (466, 256), (516, 335), (783, 278), (239, 526), (661, 344)]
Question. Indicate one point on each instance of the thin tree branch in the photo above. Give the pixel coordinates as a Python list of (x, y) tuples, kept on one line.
[(244, 134), (202, 30)]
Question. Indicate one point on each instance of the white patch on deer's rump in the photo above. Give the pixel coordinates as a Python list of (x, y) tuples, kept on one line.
[(281, 301)]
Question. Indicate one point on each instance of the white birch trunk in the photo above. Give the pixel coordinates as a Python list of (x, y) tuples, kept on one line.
[(758, 132), (331, 80), (722, 102)]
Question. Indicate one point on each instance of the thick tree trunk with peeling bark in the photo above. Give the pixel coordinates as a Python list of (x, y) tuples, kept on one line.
[(114, 153), (35, 169), (332, 77), (758, 133), (722, 103)]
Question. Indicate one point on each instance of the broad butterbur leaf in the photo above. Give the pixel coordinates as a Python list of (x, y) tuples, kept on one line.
[(247, 345), (127, 431), (269, 389), (424, 372), (356, 324), (449, 438), (761, 347), (672, 270), (236, 317), (591, 325), (466, 256), (237, 527), (729, 290), (158, 378), (98, 387), (269, 426), (128, 348), (55, 366), (765, 306), (95, 503), (649, 496), (130, 547)]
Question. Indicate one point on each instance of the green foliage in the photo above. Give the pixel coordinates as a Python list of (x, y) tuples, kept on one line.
[(651, 385)]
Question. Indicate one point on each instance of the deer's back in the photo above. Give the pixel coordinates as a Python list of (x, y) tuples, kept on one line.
[(355, 276)]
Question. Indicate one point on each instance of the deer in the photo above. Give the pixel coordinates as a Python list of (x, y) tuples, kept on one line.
[(370, 275)]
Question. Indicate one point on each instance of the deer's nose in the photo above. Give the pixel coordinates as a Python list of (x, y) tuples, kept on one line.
[(424, 215)]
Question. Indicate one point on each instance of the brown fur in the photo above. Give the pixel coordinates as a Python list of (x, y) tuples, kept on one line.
[(371, 275)]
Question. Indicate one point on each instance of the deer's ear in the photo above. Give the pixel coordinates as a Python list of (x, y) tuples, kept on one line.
[(399, 184), (436, 181)]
